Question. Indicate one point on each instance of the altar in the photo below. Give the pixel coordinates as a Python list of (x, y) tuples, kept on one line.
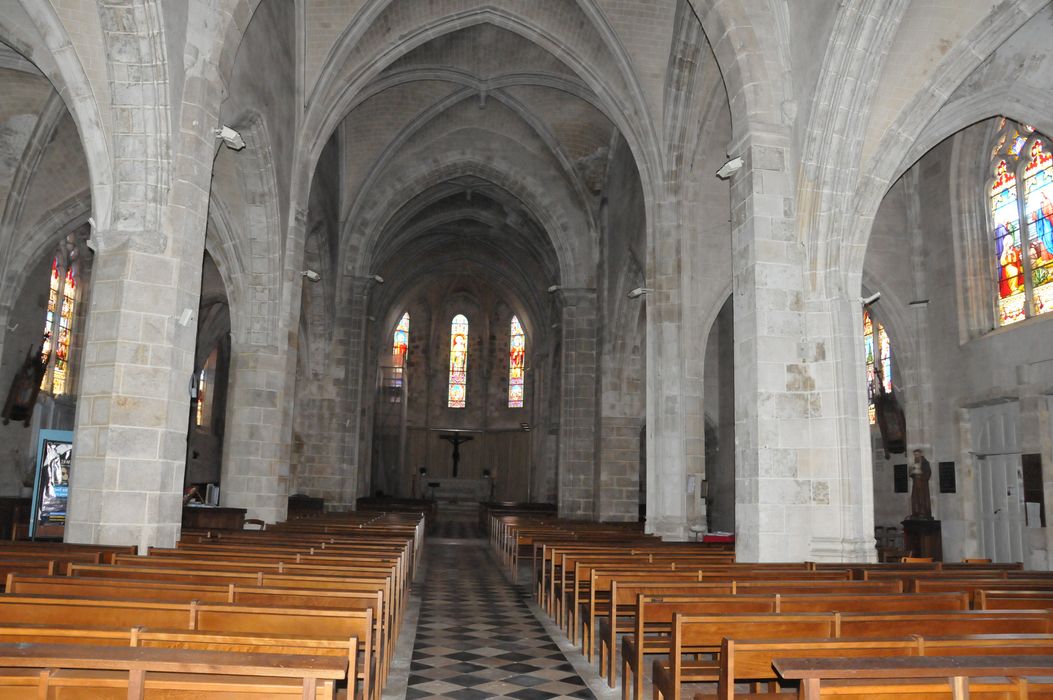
[(447, 490)]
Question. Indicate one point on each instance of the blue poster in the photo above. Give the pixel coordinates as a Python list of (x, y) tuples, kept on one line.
[(51, 485)]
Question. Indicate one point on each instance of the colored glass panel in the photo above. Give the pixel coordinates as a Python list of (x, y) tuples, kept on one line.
[(516, 367), (49, 319), (878, 353), (401, 342), (458, 361), (1018, 144), (399, 347), (60, 376), (1006, 220), (1038, 202)]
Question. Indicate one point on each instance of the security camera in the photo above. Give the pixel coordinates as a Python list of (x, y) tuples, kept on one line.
[(638, 292), (311, 275), (231, 138), (377, 278), (730, 168), (553, 289), (867, 301)]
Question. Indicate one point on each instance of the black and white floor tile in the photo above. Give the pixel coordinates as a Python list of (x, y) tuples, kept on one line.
[(476, 636)]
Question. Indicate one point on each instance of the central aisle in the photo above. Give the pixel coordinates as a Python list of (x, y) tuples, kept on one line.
[(476, 637)]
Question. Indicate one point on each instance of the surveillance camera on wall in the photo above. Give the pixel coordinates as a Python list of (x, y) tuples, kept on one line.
[(730, 168), (231, 138), (553, 289), (638, 292), (311, 275), (867, 301), (378, 279)]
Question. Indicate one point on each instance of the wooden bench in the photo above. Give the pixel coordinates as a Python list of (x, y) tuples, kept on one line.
[(220, 618), (705, 633), (816, 674), (651, 618), (143, 667), (751, 660), (1013, 600)]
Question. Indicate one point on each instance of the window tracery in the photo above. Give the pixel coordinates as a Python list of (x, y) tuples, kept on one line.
[(1021, 227)]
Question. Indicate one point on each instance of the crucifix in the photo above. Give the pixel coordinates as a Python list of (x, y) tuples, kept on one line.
[(456, 441)]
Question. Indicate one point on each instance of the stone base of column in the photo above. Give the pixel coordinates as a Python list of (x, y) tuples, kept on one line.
[(832, 549), (669, 529)]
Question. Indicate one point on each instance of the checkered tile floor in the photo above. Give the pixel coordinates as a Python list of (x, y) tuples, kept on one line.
[(477, 639)]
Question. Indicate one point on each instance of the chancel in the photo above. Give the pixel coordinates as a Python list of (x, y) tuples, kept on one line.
[(695, 278)]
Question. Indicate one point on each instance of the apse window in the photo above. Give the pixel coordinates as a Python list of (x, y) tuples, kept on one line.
[(58, 328), (1021, 226), (458, 361), (516, 357), (878, 361)]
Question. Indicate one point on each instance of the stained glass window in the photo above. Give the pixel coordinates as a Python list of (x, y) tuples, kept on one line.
[(1023, 273), (49, 319), (458, 361), (1038, 198), (878, 361), (58, 328), (1006, 220), (206, 380), (516, 354), (399, 347)]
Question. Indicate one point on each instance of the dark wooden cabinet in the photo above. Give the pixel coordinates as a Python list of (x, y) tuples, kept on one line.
[(923, 538), (213, 518)]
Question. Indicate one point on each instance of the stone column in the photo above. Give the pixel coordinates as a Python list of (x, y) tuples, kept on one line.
[(134, 399), (668, 389), (255, 451), (577, 437), (361, 383), (803, 488)]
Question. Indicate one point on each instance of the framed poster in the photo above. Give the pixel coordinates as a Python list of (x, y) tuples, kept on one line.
[(51, 485)]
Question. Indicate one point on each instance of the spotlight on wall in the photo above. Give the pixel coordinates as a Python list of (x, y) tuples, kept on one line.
[(377, 278), (730, 168), (553, 289), (639, 292), (867, 301), (186, 317), (311, 275), (232, 139)]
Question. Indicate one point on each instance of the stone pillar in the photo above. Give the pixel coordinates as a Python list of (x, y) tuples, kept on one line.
[(134, 399), (577, 437), (803, 488), (668, 390), (255, 451)]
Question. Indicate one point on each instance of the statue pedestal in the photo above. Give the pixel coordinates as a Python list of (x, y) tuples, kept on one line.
[(923, 538)]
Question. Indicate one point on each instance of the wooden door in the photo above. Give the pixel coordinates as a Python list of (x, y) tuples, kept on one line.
[(999, 482)]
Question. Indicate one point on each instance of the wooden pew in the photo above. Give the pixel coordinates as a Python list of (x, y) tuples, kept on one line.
[(871, 677), (1013, 600), (751, 660), (705, 633), (651, 619), (82, 612), (141, 668)]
